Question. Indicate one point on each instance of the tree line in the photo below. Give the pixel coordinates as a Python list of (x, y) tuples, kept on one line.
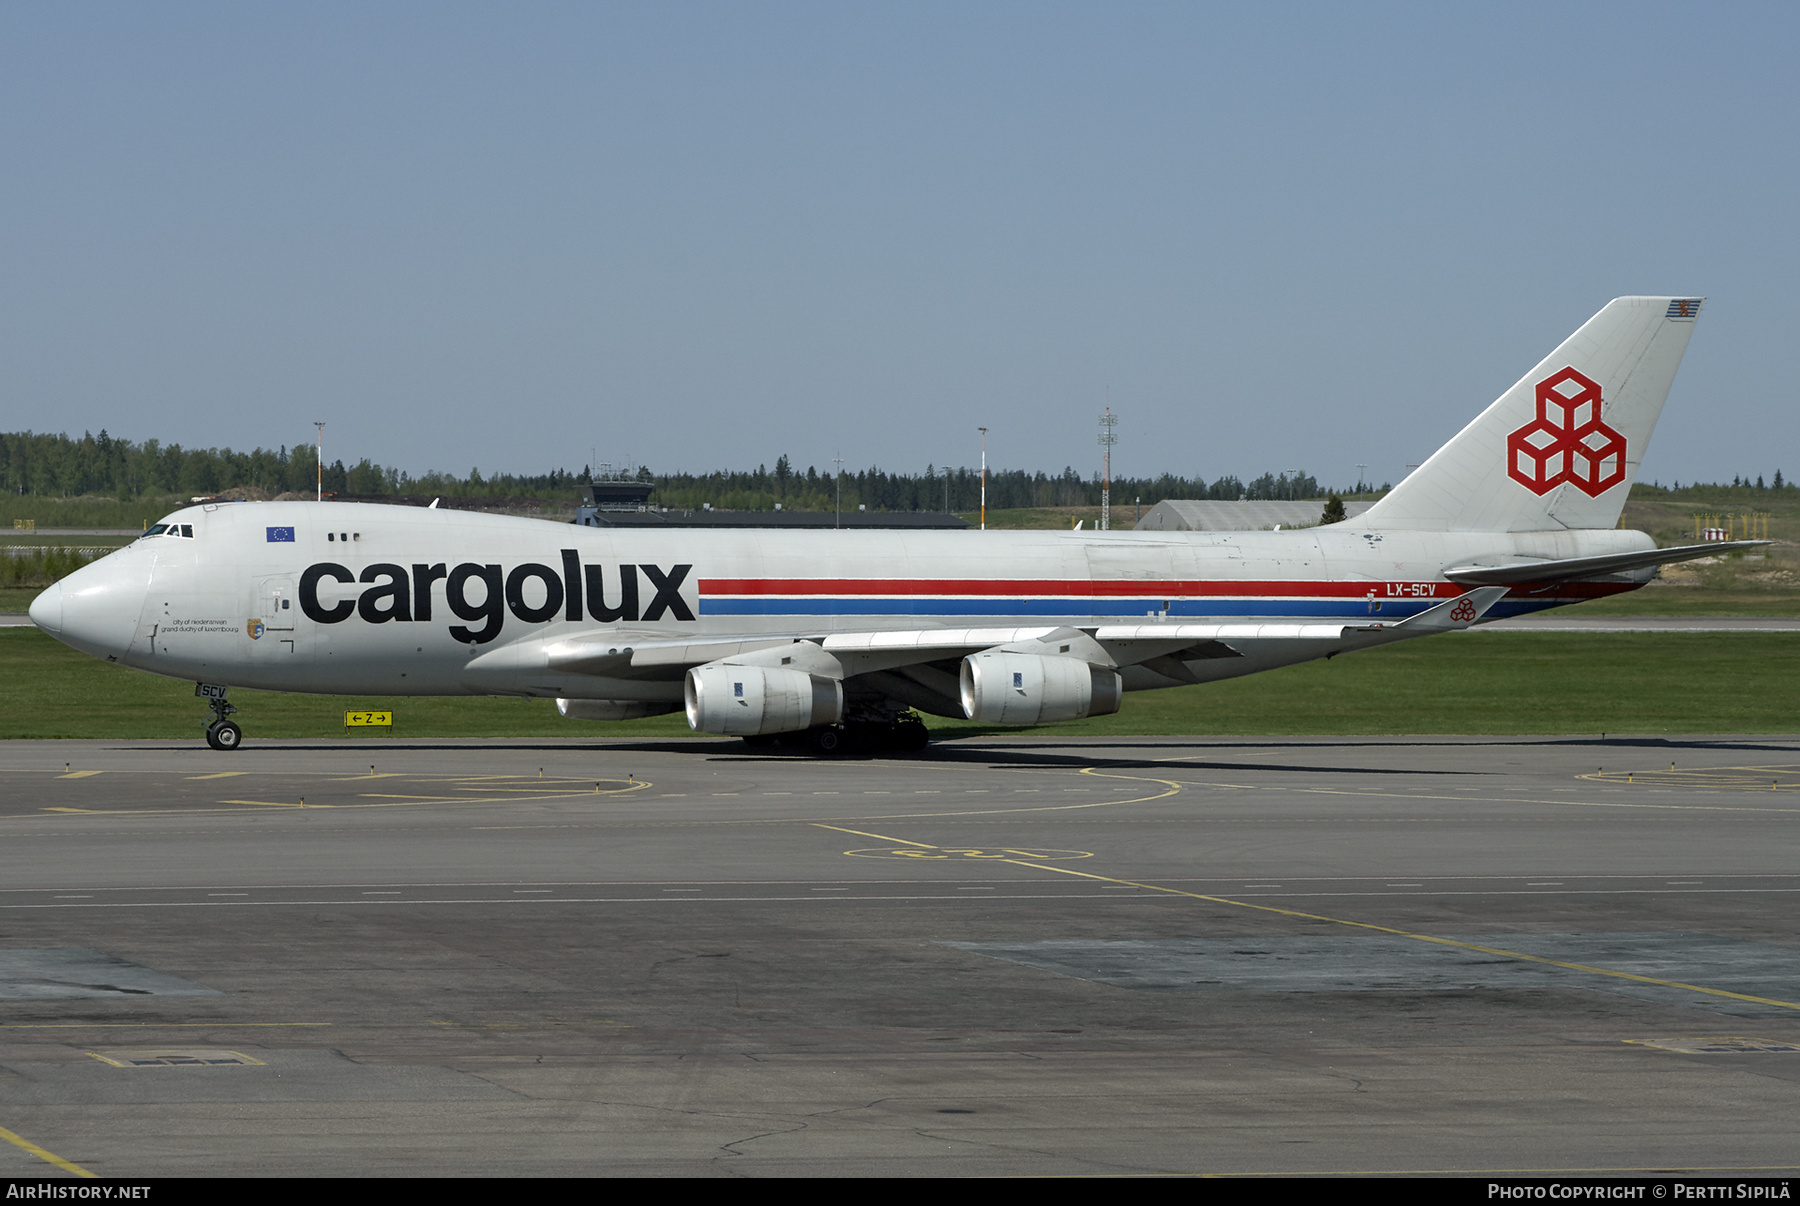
[(105, 467), (58, 466), (947, 489)]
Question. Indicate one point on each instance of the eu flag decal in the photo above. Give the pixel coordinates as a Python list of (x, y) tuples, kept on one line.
[(281, 535)]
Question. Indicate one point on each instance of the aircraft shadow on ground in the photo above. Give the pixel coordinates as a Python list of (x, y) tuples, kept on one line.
[(1112, 753)]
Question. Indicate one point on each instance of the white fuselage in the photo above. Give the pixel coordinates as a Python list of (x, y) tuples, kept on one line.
[(386, 600)]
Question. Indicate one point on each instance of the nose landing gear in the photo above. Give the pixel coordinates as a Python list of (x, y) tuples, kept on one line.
[(221, 733)]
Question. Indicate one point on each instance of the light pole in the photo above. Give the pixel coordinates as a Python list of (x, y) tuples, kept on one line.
[(983, 431), (321, 460)]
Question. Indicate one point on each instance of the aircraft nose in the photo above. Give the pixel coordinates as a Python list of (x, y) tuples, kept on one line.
[(95, 609), (47, 609)]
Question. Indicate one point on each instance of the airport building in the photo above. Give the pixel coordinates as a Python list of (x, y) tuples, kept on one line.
[(626, 504), (1207, 515)]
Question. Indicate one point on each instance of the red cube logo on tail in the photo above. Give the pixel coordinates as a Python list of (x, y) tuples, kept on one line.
[(1567, 442)]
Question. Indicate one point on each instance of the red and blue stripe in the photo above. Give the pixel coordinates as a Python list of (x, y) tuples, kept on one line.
[(1108, 599)]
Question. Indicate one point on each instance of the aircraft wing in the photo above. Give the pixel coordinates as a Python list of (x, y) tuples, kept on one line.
[(919, 664), (619, 656), (616, 656), (1514, 572)]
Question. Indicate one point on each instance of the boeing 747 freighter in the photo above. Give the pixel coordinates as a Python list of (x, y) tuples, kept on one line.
[(846, 636)]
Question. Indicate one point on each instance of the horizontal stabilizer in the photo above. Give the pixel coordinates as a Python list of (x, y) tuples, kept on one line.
[(1453, 614), (1195, 633), (1591, 567)]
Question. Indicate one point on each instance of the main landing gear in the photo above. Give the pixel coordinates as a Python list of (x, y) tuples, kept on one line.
[(221, 733), (900, 734)]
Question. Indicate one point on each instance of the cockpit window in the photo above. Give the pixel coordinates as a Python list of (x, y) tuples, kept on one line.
[(155, 529), (168, 529)]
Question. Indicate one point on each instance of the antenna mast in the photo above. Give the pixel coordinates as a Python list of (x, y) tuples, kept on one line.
[(839, 459)]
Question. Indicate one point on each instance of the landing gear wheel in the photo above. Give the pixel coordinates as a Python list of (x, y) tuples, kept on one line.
[(221, 733), (826, 740), (911, 736)]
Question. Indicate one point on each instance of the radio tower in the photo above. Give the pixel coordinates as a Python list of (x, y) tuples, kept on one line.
[(1107, 439)]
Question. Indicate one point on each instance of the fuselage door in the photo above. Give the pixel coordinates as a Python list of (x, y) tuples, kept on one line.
[(276, 603)]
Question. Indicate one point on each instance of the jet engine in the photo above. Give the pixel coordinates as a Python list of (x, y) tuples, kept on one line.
[(613, 709), (1022, 688), (745, 701)]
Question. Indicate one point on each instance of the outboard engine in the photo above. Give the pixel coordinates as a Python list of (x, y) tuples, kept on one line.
[(999, 687)]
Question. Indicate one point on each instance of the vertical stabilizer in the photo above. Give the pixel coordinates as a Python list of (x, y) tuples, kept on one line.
[(1561, 448)]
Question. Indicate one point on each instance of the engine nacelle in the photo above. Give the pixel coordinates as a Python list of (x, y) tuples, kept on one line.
[(1022, 688), (745, 701), (613, 709)]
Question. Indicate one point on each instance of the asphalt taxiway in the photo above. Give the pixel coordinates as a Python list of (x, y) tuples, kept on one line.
[(1479, 955)]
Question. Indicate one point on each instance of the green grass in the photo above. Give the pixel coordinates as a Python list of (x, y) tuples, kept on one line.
[(1658, 600), (53, 691), (1492, 683), (1475, 683), (1041, 518), (87, 512)]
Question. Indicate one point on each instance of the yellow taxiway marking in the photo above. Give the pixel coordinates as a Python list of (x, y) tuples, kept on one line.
[(998, 853), (922, 850), (1344, 921), (1385, 929), (216, 775), (152, 1025), (46, 1156), (1396, 795), (880, 837), (1435, 797), (394, 795), (375, 800), (80, 774), (1707, 778), (1170, 787)]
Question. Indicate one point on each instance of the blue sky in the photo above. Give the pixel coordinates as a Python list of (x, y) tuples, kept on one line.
[(520, 236)]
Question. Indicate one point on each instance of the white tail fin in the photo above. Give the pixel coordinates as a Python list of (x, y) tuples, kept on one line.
[(1561, 448)]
